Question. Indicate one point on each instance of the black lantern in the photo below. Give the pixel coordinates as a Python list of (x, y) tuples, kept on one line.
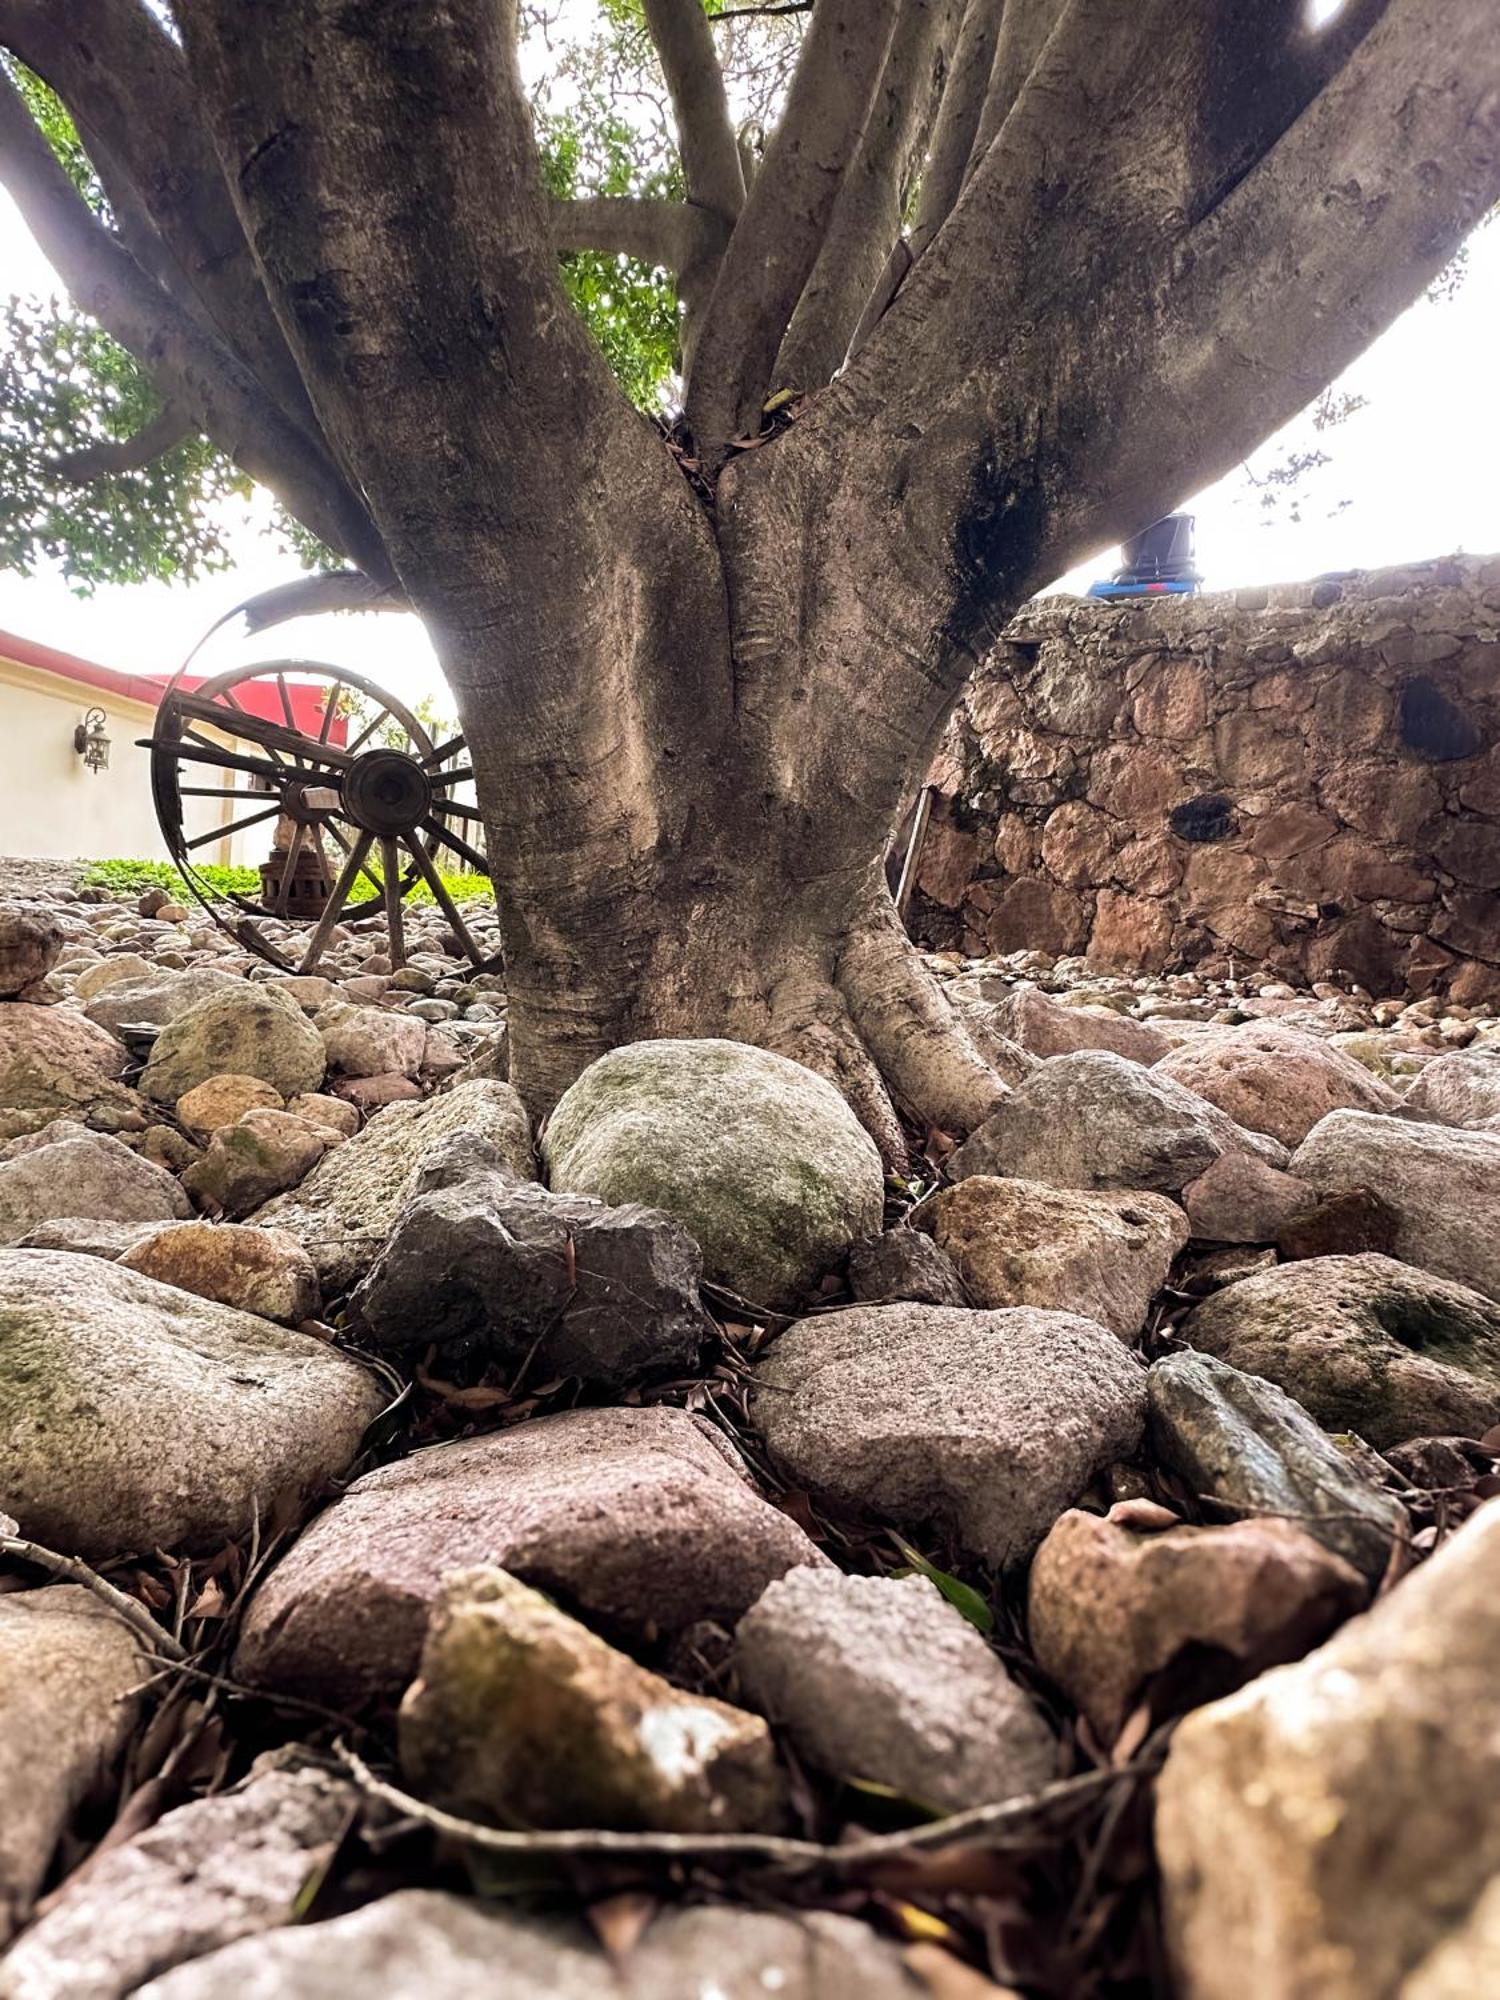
[(91, 741)]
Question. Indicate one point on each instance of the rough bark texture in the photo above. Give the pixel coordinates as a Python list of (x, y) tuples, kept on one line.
[(695, 712)]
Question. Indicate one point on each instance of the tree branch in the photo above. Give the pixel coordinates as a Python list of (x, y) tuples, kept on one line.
[(1024, 28), (785, 218), (115, 455), (705, 137), (866, 219), (189, 367), (671, 234)]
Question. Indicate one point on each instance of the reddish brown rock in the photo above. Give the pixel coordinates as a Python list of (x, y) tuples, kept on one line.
[(1275, 1078), (1389, 801), (1130, 932), (1111, 1610), (1342, 1225), (949, 860), (1135, 782), (1290, 829), (1151, 866), (1036, 916), (1252, 753), (1047, 1028), (1244, 1200), (1078, 843), (1352, 712), (1171, 700)]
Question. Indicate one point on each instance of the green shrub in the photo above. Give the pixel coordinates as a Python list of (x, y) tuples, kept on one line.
[(132, 878)]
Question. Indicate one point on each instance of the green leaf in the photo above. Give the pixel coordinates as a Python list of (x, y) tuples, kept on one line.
[(962, 1596)]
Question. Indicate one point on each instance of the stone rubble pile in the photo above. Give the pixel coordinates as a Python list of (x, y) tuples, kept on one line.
[(672, 1473)]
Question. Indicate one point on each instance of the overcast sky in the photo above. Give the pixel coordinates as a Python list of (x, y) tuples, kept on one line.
[(1414, 473)]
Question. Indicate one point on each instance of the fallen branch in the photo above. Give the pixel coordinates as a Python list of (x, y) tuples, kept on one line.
[(74, 1570), (801, 1856)]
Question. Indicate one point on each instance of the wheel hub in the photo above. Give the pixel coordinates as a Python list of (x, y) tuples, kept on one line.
[(386, 792)]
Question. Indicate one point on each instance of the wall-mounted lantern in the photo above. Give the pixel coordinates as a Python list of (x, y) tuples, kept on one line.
[(91, 741)]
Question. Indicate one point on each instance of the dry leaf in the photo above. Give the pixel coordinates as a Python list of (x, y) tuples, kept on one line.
[(1137, 1728), (619, 1922)]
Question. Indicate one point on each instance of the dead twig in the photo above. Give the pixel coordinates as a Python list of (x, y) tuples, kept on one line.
[(74, 1570)]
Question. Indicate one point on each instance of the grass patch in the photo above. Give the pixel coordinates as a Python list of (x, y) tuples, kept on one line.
[(132, 878)]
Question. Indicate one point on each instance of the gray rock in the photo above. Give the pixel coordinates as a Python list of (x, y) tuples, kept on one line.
[(68, 1671), (1459, 1088), (244, 1031), (878, 1677), (216, 1870), (106, 971), (1443, 1184), (346, 1208), (1241, 1199), (1047, 1028), (86, 1236), (643, 1519), (157, 996), (1365, 1344), (902, 1264), (31, 939), (1096, 1120), (94, 1177), (762, 1160), (606, 1294), (1246, 1444), (420, 1944), (54, 1064), (1325, 1831), (371, 1041), (136, 1416), (989, 1422), (263, 1154)]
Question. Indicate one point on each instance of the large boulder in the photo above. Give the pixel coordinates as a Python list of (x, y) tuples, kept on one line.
[(643, 1519), (214, 1870), (69, 1675), (419, 1944), (1459, 1088), (1096, 1120), (1324, 1831), (762, 1160), (1364, 1343), (243, 1031), (371, 1041), (1271, 1077), (606, 1294), (1017, 1243), (1443, 1184), (54, 1064), (1047, 1028), (988, 1422), (1246, 1446), (344, 1211), (136, 1416), (1110, 1609), (31, 940), (520, 1714), (879, 1678), (155, 996), (91, 1178)]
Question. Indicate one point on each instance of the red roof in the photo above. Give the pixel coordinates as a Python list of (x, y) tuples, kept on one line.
[(262, 698)]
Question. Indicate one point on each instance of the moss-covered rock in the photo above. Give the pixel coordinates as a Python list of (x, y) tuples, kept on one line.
[(761, 1159), (242, 1031)]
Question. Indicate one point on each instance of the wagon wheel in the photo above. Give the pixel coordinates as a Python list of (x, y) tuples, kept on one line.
[(386, 806)]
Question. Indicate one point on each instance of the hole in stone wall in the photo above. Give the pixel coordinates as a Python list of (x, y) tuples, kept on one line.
[(1434, 726), (1210, 816)]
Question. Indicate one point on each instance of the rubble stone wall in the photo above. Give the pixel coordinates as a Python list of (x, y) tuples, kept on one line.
[(1305, 778)]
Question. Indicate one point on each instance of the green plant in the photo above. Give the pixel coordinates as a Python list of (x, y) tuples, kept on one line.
[(132, 878)]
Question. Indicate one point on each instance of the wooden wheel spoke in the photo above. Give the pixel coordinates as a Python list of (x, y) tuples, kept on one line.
[(348, 847), (440, 894), (390, 868), (458, 806), (293, 854), (348, 875), (272, 811), (192, 749), (448, 749), (477, 861), (265, 734), (328, 713), (366, 733), (463, 777)]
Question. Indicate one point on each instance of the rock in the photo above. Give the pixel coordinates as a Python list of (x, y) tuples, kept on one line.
[(31, 941), (1095, 1120), (262, 1271), (1467, 1961), (368, 1094), (762, 1160), (642, 1519), (878, 1678), (248, 1163), (69, 1671), (1460, 1088), (1246, 1445), (420, 1944), (371, 1041), (215, 1870), (243, 1031), (1047, 1028), (346, 1208), (523, 1716), (903, 1263), (1341, 1225), (107, 971), (157, 996), (330, 1112), (1110, 1611), (94, 1177), (1271, 1077), (308, 989), (1241, 1199), (44, 1135), (86, 1236), (606, 1294), (56, 1064), (1365, 1344), (989, 1422), (1441, 1464), (135, 1416), (224, 1100), (1017, 1243), (164, 1146), (1325, 1830), (1443, 1184)]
